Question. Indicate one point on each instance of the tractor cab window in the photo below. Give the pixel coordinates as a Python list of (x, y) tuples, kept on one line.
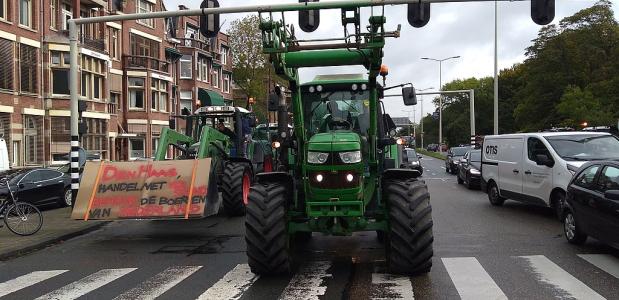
[(337, 110)]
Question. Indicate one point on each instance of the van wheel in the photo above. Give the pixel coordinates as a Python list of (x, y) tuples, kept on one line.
[(494, 196)]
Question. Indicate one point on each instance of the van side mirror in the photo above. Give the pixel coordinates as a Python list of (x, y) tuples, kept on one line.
[(544, 160), (410, 98), (612, 194)]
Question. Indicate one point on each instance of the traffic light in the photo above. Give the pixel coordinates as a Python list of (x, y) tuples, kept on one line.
[(209, 23), (419, 14), (542, 11), (309, 20)]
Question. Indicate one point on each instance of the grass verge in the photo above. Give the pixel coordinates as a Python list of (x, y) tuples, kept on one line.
[(431, 154)]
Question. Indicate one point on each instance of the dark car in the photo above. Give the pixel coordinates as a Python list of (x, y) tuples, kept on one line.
[(592, 204), (410, 160), (432, 147), (39, 186), (469, 172), (454, 155)]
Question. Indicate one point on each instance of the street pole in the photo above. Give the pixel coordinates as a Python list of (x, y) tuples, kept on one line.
[(496, 76), (421, 121), (472, 99), (75, 141)]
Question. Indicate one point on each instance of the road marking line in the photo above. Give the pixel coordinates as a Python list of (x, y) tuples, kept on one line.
[(307, 283), (391, 287), (471, 279), (87, 284), (160, 283), (607, 263), (27, 280), (550, 273), (232, 285)]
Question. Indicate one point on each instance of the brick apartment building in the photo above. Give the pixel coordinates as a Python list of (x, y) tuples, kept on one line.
[(133, 75)]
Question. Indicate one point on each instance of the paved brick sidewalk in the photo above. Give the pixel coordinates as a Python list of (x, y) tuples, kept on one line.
[(57, 226)]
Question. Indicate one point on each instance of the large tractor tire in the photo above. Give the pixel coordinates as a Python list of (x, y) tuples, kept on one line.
[(409, 238), (266, 230), (235, 185)]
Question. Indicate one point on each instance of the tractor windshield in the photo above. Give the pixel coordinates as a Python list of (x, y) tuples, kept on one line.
[(337, 110)]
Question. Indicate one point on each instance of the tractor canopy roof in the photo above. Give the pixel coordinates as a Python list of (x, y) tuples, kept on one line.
[(220, 110), (337, 78)]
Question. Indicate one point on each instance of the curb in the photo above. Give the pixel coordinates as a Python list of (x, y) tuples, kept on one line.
[(46, 243)]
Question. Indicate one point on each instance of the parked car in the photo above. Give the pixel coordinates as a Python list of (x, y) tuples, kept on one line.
[(537, 167), (411, 160), (454, 155), (469, 172), (592, 204), (39, 186), (432, 147)]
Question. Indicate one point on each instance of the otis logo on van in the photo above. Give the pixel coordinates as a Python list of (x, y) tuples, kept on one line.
[(492, 150)]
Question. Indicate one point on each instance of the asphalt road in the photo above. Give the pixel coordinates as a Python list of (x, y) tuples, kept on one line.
[(480, 252)]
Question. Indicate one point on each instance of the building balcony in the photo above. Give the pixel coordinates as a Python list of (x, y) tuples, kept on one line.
[(196, 44), (145, 62), (89, 42)]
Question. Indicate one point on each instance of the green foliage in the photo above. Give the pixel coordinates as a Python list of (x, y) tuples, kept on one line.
[(570, 76)]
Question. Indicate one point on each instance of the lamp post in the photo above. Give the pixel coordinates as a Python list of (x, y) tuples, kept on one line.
[(496, 75), (440, 97), (421, 108)]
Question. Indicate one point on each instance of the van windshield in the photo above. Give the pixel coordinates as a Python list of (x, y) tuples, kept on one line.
[(584, 147)]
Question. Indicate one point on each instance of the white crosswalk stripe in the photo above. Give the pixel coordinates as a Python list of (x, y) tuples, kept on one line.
[(87, 284), (308, 283), (27, 280), (391, 287), (232, 285), (471, 279), (159, 284), (607, 263), (566, 284)]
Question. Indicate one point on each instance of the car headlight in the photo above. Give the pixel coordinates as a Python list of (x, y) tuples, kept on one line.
[(351, 157), (475, 171), (415, 163), (456, 162), (317, 157)]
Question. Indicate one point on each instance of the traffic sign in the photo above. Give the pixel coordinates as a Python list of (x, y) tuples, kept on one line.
[(435, 115)]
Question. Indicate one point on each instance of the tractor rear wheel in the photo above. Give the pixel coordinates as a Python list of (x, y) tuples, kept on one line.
[(266, 230), (235, 188), (409, 239)]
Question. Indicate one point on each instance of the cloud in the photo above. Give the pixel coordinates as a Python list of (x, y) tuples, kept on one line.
[(465, 29)]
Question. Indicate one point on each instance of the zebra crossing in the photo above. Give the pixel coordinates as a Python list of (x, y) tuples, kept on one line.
[(312, 280)]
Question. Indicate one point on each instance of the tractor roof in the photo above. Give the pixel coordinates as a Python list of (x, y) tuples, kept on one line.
[(337, 78), (220, 110)]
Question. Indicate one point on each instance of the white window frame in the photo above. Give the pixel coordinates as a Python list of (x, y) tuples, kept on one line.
[(93, 69), (184, 60), (143, 6), (226, 87), (115, 43), (61, 65), (134, 88), (5, 7), (216, 72), (224, 55), (159, 88), (53, 20), (67, 14), (29, 19)]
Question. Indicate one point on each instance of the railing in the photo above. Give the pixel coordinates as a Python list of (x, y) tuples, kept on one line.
[(111, 108), (97, 44), (145, 62), (193, 43)]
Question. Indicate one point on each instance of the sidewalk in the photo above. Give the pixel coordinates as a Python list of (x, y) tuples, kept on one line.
[(57, 226)]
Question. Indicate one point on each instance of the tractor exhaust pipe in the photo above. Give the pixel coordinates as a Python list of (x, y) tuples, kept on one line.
[(282, 127)]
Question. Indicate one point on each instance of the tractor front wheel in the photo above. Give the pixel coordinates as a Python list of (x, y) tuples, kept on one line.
[(235, 188), (266, 230), (409, 239)]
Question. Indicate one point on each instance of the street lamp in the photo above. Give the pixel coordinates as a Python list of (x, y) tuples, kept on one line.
[(440, 97), (421, 108)]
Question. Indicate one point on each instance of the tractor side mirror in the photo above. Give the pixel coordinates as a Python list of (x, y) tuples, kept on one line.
[(309, 20), (209, 23), (409, 95), (418, 14), (542, 11), (389, 124)]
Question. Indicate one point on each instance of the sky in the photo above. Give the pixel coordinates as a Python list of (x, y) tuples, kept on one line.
[(464, 29)]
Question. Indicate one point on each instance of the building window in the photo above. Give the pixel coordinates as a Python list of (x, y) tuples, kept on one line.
[(159, 95), (203, 69), (186, 67), (7, 63), (136, 149), (155, 146), (95, 140), (25, 13), (142, 46), (224, 55), (215, 79), (53, 14), (115, 47), (143, 6), (136, 93), (28, 68), (226, 87), (3, 9), (93, 73), (60, 72), (67, 14), (113, 103), (33, 139), (186, 101)]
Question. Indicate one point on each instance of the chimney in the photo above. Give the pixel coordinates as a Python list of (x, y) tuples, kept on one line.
[(182, 7)]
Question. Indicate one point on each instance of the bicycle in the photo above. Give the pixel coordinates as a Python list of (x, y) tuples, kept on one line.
[(21, 218)]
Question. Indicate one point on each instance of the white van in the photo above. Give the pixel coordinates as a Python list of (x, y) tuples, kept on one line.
[(537, 167), (4, 156)]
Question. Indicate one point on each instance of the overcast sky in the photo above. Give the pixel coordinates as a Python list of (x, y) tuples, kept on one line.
[(465, 29)]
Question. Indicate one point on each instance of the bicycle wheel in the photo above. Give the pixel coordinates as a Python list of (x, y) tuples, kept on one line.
[(23, 219)]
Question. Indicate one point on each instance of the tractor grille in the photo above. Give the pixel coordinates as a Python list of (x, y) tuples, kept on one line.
[(334, 179)]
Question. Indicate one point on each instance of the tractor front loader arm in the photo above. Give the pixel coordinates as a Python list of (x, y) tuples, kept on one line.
[(171, 137)]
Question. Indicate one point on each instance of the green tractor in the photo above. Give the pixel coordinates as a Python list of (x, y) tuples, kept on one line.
[(233, 170), (340, 164)]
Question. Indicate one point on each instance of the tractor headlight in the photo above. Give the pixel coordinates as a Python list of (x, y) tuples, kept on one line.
[(317, 157), (351, 157), (475, 171)]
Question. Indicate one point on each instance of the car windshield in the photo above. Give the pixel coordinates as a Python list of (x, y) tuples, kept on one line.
[(411, 154), (475, 156), (584, 147), (335, 110), (460, 151)]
